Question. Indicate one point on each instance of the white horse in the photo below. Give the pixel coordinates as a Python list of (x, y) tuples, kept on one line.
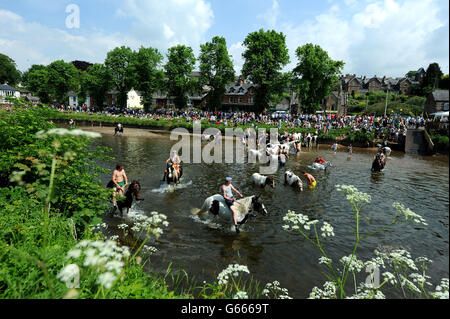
[(293, 180), (387, 151), (262, 180), (296, 137), (207, 138), (216, 205), (317, 166)]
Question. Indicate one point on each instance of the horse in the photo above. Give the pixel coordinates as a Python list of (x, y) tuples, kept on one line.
[(216, 206), (131, 191), (378, 164), (118, 129), (293, 180), (308, 140), (174, 174), (314, 140), (207, 138), (317, 166), (386, 151), (262, 180)]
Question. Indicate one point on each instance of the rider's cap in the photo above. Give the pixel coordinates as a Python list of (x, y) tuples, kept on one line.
[(228, 179)]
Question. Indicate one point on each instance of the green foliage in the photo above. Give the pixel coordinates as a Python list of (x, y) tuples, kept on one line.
[(8, 71), (97, 82), (53, 82), (265, 57), (316, 74), (119, 63), (181, 62), (216, 70), (149, 76)]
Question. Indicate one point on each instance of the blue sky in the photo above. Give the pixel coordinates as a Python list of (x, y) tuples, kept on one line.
[(373, 37)]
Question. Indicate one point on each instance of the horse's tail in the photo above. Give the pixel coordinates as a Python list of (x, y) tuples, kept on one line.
[(195, 211)]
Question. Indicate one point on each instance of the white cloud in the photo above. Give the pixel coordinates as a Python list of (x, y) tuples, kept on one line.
[(272, 14), (163, 24), (380, 38), (160, 24), (236, 50)]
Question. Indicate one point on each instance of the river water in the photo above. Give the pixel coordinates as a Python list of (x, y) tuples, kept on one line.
[(203, 250)]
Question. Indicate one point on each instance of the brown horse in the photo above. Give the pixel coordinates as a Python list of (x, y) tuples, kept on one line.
[(132, 191)]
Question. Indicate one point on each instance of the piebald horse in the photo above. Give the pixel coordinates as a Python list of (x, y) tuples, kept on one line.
[(245, 207)]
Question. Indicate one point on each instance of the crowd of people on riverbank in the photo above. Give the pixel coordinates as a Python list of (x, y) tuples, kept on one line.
[(392, 128)]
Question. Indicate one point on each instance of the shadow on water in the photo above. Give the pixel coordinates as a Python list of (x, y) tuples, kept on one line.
[(203, 250)]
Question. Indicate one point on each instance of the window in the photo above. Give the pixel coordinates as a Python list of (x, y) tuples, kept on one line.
[(231, 100), (240, 100)]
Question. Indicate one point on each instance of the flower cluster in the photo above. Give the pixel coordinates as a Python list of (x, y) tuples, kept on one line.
[(328, 291), (441, 290), (365, 291), (231, 270), (64, 132), (150, 224), (352, 264), (300, 222), (105, 257), (240, 295), (327, 230), (409, 214), (356, 197), (277, 291)]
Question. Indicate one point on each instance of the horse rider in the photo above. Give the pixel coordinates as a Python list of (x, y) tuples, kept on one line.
[(120, 180), (320, 161), (227, 189), (176, 161)]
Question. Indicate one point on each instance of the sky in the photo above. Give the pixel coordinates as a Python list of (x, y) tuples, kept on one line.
[(372, 37)]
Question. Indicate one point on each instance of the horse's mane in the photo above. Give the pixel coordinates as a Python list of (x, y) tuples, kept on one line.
[(245, 203)]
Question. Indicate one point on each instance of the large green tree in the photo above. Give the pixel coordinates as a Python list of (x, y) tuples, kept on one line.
[(315, 75), (97, 81), (216, 70), (431, 79), (62, 78), (265, 56), (8, 71), (149, 75), (178, 69), (35, 79), (120, 64)]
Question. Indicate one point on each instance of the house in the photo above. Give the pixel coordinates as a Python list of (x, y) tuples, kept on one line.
[(27, 95), (239, 96), (134, 100), (5, 91), (437, 101), (336, 102), (74, 101), (360, 85)]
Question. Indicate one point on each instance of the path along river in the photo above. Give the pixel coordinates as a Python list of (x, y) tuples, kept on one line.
[(271, 253)]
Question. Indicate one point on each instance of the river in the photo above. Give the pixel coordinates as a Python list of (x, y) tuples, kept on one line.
[(202, 250)]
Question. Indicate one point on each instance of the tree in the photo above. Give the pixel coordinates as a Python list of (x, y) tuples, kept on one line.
[(444, 82), (149, 76), (35, 79), (316, 74), (8, 71), (97, 82), (265, 56), (62, 78), (216, 70), (119, 63), (178, 69), (432, 77)]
